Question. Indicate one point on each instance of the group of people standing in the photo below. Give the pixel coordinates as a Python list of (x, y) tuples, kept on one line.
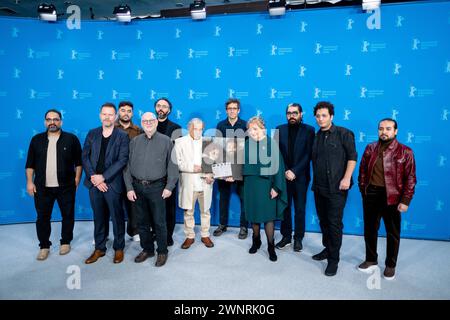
[(139, 171)]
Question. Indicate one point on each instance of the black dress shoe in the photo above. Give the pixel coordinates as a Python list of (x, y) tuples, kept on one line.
[(144, 255), (331, 269), (220, 229), (321, 256), (298, 245), (283, 243), (161, 260)]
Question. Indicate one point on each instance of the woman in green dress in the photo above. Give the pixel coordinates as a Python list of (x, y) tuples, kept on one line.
[(265, 195)]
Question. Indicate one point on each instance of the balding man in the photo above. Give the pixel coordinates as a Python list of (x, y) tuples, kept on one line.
[(150, 177)]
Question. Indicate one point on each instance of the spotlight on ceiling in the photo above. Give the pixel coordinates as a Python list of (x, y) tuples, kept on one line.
[(47, 12), (368, 5), (198, 10), (123, 13), (277, 7)]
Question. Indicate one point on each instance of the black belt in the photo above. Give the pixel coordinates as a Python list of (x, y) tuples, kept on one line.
[(374, 187), (148, 182)]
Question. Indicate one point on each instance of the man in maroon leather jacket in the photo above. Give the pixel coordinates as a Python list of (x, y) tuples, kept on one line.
[(387, 178)]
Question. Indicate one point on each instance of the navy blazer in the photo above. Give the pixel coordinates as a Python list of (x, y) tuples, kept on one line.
[(302, 150), (116, 157)]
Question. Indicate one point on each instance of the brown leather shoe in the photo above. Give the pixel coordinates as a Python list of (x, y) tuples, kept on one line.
[(161, 260), (95, 256), (118, 256), (207, 241), (187, 243), (144, 255)]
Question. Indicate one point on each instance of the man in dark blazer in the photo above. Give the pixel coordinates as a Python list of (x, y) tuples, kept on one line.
[(105, 154), (163, 107), (295, 142)]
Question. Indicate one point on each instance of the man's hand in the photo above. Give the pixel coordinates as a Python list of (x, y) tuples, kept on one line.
[(31, 188), (345, 184), (209, 180), (197, 168), (102, 187), (402, 207), (229, 179), (131, 195), (96, 179), (289, 175), (166, 194), (273, 194)]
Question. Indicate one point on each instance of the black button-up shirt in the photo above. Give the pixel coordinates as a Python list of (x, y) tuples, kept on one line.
[(68, 156), (332, 149), (225, 125)]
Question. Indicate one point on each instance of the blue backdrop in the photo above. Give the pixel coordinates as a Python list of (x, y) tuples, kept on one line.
[(390, 63)]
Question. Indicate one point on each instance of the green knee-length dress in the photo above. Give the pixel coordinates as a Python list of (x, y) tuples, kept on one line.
[(263, 170)]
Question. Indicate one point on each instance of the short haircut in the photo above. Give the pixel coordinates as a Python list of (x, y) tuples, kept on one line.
[(324, 105), (259, 121), (388, 119), (108, 105), (232, 100), (126, 103), (53, 110), (164, 99), (196, 120), (294, 104)]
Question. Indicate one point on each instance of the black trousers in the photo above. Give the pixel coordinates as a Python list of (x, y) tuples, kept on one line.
[(151, 206), (44, 200), (105, 205), (225, 189), (171, 214), (375, 207), (330, 210), (296, 191), (131, 214)]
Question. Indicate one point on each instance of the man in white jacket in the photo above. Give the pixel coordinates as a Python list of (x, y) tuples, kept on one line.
[(194, 185)]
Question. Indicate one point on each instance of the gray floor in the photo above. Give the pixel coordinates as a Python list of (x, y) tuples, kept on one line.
[(226, 271)]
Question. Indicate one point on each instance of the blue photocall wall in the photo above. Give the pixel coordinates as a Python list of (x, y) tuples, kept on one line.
[(390, 63)]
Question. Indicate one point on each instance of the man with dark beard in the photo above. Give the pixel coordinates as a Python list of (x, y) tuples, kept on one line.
[(387, 179), (54, 161), (295, 142), (163, 107), (125, 123)]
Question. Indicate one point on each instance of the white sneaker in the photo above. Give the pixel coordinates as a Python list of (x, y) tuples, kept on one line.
[(43, 254), (136, 238)]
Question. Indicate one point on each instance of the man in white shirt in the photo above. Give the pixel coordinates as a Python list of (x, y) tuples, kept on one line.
[(194, 185)]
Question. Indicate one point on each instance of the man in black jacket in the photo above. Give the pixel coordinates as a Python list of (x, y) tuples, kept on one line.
[(295, 142), (54, 161), (334, 160), (163, 107)]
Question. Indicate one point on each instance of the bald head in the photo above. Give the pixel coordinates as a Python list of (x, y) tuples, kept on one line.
[(149, 123)]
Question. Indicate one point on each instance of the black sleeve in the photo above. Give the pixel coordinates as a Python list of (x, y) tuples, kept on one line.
[(31, 156), (349, 146)]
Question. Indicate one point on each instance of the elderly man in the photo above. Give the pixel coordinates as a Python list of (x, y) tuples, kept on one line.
[(150, 177), (194, 186)]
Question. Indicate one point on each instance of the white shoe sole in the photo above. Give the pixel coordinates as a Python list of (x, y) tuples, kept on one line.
[(369, 269), (288, 245), (389, 278)]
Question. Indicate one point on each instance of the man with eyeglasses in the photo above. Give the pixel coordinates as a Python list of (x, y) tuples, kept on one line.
[(53, 172), (232, 127), (150, 177), (295, 142), (163, 107)]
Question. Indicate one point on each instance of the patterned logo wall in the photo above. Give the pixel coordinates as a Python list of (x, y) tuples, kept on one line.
[(389, 63)]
